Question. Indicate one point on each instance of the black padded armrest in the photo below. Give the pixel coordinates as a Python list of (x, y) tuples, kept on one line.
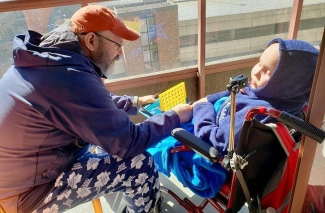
[(196, 144), (302, 126)]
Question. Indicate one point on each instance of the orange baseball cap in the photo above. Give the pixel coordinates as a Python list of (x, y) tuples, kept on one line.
[(96, 18)]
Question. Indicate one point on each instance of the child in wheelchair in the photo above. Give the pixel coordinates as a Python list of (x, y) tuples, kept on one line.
[(282, 79)]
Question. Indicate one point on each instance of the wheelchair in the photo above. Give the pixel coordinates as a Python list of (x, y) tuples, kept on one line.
[(262, 167)]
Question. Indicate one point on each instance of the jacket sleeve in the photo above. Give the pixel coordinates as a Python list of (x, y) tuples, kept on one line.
[(212, 131), (88, 111), (205, 126), (125, 102)]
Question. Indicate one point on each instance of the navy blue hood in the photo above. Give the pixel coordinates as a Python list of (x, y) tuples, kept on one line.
[(58, 47), (289, 86)]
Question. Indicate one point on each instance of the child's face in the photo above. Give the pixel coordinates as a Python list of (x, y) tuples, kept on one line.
[(263, 70)]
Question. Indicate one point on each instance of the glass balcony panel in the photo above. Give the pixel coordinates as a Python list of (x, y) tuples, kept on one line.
[(312, 22), (242, 29), (166, 27), (18, 22)]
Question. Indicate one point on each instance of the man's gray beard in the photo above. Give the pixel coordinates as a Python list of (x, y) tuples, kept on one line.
[(111, 68), (98, 59)]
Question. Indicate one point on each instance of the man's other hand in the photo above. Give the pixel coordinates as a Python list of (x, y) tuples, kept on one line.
[(184, 111), (148, 99)]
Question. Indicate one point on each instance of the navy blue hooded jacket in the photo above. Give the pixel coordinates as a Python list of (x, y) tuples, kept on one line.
[(53, 103), (288, 89)]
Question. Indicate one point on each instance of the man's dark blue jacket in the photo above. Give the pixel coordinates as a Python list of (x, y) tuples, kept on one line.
[(53, 103)]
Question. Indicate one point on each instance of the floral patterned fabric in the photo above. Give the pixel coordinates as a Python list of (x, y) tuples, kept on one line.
[(96, 174)]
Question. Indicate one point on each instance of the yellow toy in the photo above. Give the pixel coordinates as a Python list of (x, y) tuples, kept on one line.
[(173, 96)]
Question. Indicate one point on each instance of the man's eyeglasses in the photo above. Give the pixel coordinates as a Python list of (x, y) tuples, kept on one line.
[(119, 45)]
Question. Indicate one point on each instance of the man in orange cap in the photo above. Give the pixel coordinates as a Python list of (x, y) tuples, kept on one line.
[(55, 111)]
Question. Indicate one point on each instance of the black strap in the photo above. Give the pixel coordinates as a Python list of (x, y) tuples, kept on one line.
[(237, 163)]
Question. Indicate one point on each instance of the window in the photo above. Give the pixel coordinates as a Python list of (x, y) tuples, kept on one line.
[(169, 30), (18, 22), (242, 29), (312, 22)]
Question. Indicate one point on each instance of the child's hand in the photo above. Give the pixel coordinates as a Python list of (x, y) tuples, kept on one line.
[(148, 99), (200, 101)]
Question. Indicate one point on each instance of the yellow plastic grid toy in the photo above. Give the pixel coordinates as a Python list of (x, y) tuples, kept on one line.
[(173, 96)]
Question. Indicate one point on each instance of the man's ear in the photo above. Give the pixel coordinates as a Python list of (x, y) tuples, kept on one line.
[(90, 41)]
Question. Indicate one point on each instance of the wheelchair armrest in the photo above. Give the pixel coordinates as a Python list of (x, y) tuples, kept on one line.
[(196, 144), (302, 126)]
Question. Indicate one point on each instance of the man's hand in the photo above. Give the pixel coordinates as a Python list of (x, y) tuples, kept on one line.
[(200, 101), (184, 111), (148, 99)]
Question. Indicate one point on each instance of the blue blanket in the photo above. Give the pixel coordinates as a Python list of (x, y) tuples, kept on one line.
[(201, 176)]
